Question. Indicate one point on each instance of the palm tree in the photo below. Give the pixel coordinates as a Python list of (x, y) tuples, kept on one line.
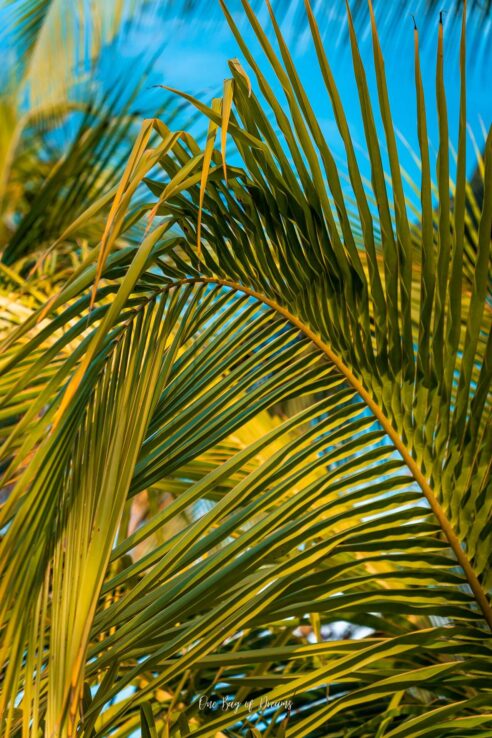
[(247, 457)]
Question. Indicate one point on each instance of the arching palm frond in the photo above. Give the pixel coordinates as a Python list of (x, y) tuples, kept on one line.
[(315, 402)]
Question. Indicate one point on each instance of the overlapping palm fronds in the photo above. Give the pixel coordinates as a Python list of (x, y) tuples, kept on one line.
[(303, 390)]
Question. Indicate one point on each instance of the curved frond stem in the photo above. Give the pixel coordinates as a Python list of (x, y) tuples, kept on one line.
[(446, 527)]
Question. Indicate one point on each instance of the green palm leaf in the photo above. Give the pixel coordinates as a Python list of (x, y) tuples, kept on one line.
[(313, 406)]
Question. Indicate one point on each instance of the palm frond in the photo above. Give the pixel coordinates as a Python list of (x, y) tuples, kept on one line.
[(55, 48), (319, 390)]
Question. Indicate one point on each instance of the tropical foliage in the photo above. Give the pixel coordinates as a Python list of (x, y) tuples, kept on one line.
[(246, 431)]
